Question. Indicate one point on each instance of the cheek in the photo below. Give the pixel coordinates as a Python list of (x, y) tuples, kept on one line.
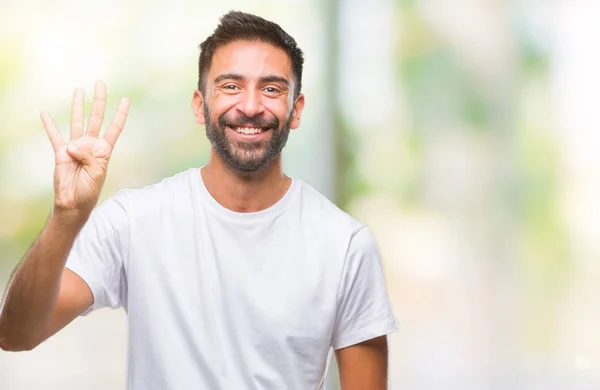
[(279, 108), (222, 104)]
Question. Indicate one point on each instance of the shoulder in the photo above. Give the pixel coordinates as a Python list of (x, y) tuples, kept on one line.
[(325, 215), (172, 189)]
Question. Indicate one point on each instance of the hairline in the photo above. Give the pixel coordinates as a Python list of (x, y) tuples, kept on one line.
[(295, 81)]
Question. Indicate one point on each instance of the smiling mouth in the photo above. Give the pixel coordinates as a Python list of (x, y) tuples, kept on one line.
[(249, 130)]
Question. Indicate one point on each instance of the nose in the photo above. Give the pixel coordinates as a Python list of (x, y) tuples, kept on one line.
[(250, 103)]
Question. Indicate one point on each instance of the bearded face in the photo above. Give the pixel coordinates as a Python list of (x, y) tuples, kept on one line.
[(248, 104), (246, 144)]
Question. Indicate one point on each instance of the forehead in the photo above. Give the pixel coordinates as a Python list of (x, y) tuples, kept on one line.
[(251, 59)]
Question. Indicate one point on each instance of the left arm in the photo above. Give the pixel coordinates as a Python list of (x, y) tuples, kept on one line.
[(364, 366), (364, 317)]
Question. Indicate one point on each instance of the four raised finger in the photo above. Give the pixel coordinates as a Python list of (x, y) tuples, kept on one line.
[(77, 114), (117, 123), (56, 139), (98, 108)]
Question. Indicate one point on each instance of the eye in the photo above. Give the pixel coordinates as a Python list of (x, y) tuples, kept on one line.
[(229, 89), (273, 91)]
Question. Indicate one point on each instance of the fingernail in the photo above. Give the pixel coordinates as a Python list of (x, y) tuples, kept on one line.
[(72, 147)]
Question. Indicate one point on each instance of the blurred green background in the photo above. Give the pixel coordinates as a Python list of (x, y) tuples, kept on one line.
[(464, 132)]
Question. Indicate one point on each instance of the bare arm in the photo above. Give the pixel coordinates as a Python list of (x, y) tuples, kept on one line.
[(31, 310), (42, 296), (364, 366)]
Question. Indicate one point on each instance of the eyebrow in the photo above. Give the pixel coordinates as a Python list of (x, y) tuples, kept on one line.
[(274, 79), (264, 79)]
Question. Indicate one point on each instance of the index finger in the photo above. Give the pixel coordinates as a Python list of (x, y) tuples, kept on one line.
[(57, 141), (117, 123)]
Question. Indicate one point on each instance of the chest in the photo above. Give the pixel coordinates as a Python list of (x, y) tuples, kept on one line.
[(279, 274)]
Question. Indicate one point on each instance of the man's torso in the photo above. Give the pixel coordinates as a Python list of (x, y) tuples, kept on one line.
[(226, 301)]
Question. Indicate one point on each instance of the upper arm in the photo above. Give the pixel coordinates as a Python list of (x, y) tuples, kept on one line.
[(74, 298), (364, 311), (364, 366), (97, 259), (92, 277)]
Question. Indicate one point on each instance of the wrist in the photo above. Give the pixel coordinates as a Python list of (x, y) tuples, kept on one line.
[(68, 219)]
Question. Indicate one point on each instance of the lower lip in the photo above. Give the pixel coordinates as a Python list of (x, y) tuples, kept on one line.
[(248, 136)]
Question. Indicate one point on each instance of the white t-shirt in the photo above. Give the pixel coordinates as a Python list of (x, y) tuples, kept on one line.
[(223, 300)]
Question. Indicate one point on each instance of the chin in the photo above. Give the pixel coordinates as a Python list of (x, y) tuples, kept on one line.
[(249, 166)]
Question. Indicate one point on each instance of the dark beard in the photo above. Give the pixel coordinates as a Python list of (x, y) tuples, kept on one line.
[(246, 156)]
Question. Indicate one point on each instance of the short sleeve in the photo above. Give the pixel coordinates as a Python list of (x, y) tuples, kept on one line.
[(364, 310), (99, 254)]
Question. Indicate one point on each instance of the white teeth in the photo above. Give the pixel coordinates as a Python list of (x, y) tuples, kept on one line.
[(248, 130)]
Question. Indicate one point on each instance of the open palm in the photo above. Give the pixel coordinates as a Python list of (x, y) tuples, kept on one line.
[(80, 165)]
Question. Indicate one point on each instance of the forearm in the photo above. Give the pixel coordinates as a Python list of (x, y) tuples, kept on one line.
[(33, 290)]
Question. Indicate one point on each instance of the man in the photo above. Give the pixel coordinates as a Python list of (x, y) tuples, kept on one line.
[(234, 275)]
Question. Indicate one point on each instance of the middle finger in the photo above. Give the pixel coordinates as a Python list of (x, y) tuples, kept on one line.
[(98, 108)]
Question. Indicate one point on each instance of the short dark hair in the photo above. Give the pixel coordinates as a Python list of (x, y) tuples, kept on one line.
[(240, 26)]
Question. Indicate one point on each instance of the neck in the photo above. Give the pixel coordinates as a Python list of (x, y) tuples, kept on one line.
[(245, 192)]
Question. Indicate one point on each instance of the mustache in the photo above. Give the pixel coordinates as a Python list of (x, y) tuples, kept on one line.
[(246, 121)]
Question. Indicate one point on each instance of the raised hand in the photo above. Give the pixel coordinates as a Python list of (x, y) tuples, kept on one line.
[(80, 165)]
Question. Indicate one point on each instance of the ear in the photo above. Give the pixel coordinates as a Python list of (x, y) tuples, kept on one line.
[(298, 107), (198, 107)]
